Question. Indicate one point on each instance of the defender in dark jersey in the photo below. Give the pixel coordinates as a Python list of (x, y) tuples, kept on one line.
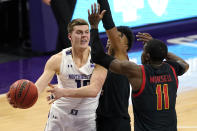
[(112, 112), (154, 83), (154, 103)]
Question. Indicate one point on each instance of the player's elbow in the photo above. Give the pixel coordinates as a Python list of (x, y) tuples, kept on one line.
[(95, 90), (186, 67), (94, 93)]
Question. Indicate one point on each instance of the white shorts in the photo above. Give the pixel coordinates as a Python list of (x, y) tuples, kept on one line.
[(65, 121)]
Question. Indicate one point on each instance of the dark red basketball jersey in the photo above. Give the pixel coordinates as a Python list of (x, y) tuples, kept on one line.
[(154, 104)]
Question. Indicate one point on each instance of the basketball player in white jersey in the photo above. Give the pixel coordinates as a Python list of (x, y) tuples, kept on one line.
[(73, 69)]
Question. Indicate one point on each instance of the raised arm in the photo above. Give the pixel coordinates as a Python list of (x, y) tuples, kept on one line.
[(129, 69), (107, 20), (184, 66), (112, 31)]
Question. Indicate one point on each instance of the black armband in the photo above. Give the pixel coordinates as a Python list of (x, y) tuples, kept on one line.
[(107, 20), (98, 55)]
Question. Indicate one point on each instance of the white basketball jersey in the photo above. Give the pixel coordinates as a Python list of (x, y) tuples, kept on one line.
[(71, 76)]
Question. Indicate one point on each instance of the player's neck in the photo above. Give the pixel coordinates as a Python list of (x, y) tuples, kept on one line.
[(156, 64), (80, 57)]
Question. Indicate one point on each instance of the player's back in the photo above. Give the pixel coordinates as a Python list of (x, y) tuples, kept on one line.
[(154, 103)]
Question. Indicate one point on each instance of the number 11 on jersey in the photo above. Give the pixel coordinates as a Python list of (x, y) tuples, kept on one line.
[(162, 94)]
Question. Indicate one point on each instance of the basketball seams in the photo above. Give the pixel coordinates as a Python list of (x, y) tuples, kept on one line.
[(12, 92), (15, 100), (15, 93), (19, 92), (21, 103), (31, 104)]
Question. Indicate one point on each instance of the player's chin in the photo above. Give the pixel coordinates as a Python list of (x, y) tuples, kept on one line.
[(84, 45)]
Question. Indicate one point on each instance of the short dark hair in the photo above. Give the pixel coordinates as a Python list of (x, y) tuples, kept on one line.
[(128, 33), (157, 49)]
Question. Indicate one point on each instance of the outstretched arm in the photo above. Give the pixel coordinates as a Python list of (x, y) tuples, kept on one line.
[(107, 20), (112, 32), (97, 50), (51, 67), (129, 69), (96, 82)]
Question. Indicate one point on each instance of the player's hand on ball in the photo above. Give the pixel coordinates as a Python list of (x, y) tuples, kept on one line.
[(56, 93)]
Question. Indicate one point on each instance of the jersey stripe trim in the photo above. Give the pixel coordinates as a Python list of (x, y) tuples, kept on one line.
[(143, 82), (174, 72)]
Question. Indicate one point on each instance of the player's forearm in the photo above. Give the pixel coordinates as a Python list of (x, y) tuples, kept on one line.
[(40, 86), (107, 20), (86, 91), (43, 81), (173, 57), (125, 67), (98, 55), (109, 25)]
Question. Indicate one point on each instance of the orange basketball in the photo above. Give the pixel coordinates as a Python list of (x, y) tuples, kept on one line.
[(23, 94)]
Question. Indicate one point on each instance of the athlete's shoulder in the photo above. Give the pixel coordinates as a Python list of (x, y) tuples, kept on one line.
[(54, 61), (57, 57)]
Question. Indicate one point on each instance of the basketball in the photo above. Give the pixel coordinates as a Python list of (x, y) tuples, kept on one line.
[(23, 94)]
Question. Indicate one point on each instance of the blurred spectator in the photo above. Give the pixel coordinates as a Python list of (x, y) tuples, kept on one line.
[(63, 11)]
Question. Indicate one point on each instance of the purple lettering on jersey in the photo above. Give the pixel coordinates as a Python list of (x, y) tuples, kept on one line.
[(79, 76)]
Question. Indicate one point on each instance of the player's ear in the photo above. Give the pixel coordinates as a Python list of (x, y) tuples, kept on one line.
[(69, 36)]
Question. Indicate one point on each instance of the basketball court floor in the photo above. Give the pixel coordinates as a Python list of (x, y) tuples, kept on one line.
[(34, 119)]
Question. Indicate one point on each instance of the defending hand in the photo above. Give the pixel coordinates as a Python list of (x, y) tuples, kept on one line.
[(144, 37), (95, 16)]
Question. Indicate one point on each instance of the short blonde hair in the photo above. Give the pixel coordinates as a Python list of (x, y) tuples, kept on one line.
[(76, 22)]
